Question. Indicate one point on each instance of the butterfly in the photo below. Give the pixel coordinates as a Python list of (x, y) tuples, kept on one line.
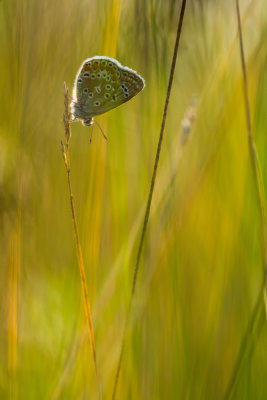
[(102, 84)]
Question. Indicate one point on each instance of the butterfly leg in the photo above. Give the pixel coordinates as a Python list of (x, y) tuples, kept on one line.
[(101, 130), (90, 140)]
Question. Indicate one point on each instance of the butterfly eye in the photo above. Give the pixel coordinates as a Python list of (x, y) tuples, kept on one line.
[(103, 62), (106, 95), (108, 87), (98, 75), (114, 98), (110, 64), (85, 90), (92, 76), (90, 94), (126, 94), (86, 74), (97, 103), (108, 78), (79, 80)]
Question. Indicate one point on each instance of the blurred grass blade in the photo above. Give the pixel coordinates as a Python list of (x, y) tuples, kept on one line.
[(252, 148), (112, 28), (13, 303), (255, 322)]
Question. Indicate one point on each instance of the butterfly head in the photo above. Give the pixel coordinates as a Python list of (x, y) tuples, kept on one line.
[(88, 121)]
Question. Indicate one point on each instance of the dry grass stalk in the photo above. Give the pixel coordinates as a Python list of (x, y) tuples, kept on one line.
[(66, 158)]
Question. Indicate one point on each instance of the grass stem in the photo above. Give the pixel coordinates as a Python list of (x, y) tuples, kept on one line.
[(255, 322), (66, 158), (253, 150), (152, 184)]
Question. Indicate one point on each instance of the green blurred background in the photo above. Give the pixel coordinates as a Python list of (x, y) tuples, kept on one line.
[(201, 269)]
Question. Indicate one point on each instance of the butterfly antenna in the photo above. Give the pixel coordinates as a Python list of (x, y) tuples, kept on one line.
[(101, 130)]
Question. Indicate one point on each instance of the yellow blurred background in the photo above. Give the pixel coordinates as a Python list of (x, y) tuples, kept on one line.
[(201, 268)]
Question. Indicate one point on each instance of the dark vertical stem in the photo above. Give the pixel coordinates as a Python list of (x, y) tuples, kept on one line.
[(153, 179)]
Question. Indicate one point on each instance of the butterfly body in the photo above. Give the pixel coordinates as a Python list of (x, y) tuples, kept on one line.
[(102, 84)]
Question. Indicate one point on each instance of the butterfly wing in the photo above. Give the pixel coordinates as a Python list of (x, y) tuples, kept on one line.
[(102, 84)]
